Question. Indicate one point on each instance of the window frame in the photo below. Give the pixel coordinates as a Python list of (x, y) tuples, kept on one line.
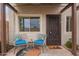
[(68, 29), (30, 21)]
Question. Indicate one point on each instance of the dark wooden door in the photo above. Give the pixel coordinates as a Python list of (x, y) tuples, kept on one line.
[(53, 30)]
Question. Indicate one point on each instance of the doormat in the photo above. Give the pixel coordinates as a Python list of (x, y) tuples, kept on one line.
[(54, 47), (33, 52)]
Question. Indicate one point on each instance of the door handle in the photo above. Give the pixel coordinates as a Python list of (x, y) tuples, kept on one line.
[(50, 32)]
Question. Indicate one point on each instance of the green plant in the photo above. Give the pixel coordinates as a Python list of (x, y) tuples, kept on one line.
[(69, 43)]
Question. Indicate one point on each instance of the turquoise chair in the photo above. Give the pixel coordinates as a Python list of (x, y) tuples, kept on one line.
[(20, 42), (41, 41)]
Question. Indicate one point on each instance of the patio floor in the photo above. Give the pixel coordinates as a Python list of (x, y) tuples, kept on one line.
[(57, 52), (47, 52)]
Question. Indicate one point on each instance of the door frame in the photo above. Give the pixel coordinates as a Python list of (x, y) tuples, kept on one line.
[(59, 23)]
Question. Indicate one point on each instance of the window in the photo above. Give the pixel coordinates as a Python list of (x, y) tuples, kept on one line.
[(68, 23), (29, 24)]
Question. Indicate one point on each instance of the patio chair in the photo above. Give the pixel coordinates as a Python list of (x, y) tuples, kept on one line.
[(41, 41), (20, 42)]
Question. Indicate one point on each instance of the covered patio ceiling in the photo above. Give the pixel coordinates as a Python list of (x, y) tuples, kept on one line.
[(23, 7), (38, 4)]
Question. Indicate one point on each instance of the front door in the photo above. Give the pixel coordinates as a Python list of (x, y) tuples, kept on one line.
[(53, 30)]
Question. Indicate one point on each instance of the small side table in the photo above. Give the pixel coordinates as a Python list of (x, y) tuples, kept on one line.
[(31, 44)]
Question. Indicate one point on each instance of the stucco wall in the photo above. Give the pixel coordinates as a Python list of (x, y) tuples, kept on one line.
[(10, 17), (65, 35)]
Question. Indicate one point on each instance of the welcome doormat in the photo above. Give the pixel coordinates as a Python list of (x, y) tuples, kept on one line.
[(54, 47)]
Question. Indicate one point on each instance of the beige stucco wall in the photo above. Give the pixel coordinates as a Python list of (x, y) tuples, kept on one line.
[(11, 28), (65, 35), (10, 17)]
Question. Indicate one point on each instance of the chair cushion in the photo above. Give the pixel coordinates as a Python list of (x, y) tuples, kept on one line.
[(20, 42), (39, 41)]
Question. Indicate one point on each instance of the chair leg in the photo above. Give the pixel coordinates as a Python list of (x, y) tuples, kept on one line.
[(42, 49), (14, 50)]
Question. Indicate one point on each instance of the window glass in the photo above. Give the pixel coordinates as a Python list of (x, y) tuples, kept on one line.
[(68, 23), (29, 24), (26, 24), (34, 24)]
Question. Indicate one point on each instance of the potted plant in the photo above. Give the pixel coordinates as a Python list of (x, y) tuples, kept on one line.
[(68, 44)]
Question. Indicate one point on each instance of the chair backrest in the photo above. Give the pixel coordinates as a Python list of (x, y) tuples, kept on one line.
[(18, 37), (24, 36), (42, 36)]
